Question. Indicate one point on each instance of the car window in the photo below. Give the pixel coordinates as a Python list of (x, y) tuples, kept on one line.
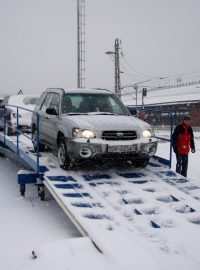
[(70, 103), (117, 106), (85, 103), (40, 100), (47, 101), (54, 104)]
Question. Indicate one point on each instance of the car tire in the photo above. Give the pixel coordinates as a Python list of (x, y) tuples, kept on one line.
[(63, 158), (9, 131), (34, 141), (140, 163)]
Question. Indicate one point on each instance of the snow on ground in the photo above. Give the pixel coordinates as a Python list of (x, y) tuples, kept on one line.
[(26, 222), (29, 224)]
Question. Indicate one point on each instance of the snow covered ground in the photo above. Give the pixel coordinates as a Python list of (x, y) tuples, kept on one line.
[(29, 224)]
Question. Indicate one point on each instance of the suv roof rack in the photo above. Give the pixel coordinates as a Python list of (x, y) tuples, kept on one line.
[(55, 89)]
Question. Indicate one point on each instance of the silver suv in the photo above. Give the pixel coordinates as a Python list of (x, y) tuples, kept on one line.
[(90, 124)]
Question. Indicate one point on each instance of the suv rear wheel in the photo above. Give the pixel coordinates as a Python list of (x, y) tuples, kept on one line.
[(63, 158), (9, 130)]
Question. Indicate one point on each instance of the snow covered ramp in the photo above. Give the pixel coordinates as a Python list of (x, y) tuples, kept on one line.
[(125, 205)]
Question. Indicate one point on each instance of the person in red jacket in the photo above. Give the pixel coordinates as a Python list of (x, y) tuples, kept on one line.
[(182, 142)]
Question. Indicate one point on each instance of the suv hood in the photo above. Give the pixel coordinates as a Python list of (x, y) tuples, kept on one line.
[(107, 122)]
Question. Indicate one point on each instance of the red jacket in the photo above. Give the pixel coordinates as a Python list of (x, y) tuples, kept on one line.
[(183, 139)]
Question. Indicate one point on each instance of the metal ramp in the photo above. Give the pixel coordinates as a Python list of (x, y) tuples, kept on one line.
[(120, 205), (24, 152), (21, 150), (135, 202)]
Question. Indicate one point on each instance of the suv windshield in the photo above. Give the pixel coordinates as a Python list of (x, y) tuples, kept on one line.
[(88, 103)]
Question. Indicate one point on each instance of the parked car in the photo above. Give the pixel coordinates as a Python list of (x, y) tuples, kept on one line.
[(90, 124), (10, 103)]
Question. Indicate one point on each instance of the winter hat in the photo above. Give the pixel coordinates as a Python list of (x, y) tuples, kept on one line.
[(186, 117)]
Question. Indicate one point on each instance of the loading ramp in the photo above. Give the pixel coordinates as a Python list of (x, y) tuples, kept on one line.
[(118, 205)]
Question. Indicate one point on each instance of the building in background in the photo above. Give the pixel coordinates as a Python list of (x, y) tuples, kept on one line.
[(180, 99)]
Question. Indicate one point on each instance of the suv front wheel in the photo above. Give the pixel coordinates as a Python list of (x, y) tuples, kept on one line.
[(63, 158)]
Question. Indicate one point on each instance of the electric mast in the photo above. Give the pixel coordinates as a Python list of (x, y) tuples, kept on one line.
[(81, 43), (117, 69), (116, 58)]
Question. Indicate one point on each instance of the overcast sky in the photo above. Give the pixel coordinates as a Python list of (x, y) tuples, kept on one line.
[(38, 48)]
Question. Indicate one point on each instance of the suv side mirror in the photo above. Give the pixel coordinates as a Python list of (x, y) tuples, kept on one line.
[(51, 111)]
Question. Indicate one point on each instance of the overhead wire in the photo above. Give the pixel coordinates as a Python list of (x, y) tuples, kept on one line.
[(133, 68), (154, 77)]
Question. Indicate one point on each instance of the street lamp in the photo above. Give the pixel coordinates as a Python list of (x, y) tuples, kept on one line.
[(135, 87), (109, 52), (144, 93)]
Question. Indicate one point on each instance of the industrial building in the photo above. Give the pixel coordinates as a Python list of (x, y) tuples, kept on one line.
[(179, 99)]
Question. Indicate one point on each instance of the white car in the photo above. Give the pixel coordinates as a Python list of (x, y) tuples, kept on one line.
[(88, 124), (23, 105)]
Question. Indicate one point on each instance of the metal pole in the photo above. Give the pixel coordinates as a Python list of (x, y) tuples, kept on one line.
[(142, 101), (117, 70), (4, 130), (171, 130), (136, 95), (78, 45), (38, 141), (17, 131), (81, 43)]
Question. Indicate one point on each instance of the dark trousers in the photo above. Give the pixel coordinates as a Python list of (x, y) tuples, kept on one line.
[(182, 164)]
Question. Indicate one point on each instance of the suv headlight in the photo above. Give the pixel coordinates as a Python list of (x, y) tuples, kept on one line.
[(83, 133), (147, 133)]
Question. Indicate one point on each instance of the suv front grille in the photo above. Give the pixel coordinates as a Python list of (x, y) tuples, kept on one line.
[(119, 135)]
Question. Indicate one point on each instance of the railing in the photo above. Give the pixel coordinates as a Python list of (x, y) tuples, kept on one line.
[(16, 130), (175, 85), (170, 119)]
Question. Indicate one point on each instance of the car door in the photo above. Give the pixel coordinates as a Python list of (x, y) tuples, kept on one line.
[(44, 119), (52, 120)]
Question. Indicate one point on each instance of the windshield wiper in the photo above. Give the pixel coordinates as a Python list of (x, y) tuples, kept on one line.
[(76, 113), (102, 113)]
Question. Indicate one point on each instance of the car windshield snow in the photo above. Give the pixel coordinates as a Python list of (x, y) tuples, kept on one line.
[(90, 103)]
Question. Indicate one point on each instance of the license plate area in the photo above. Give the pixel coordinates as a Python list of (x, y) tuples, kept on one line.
[(121, 148)]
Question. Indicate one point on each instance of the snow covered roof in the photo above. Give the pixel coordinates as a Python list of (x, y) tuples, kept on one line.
[(181, 94)]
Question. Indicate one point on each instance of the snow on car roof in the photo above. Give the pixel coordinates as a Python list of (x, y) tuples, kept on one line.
[(18, 100), (89, 91)]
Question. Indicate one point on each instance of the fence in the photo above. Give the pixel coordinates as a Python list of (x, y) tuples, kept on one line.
[(17, 131), (142, 115)]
